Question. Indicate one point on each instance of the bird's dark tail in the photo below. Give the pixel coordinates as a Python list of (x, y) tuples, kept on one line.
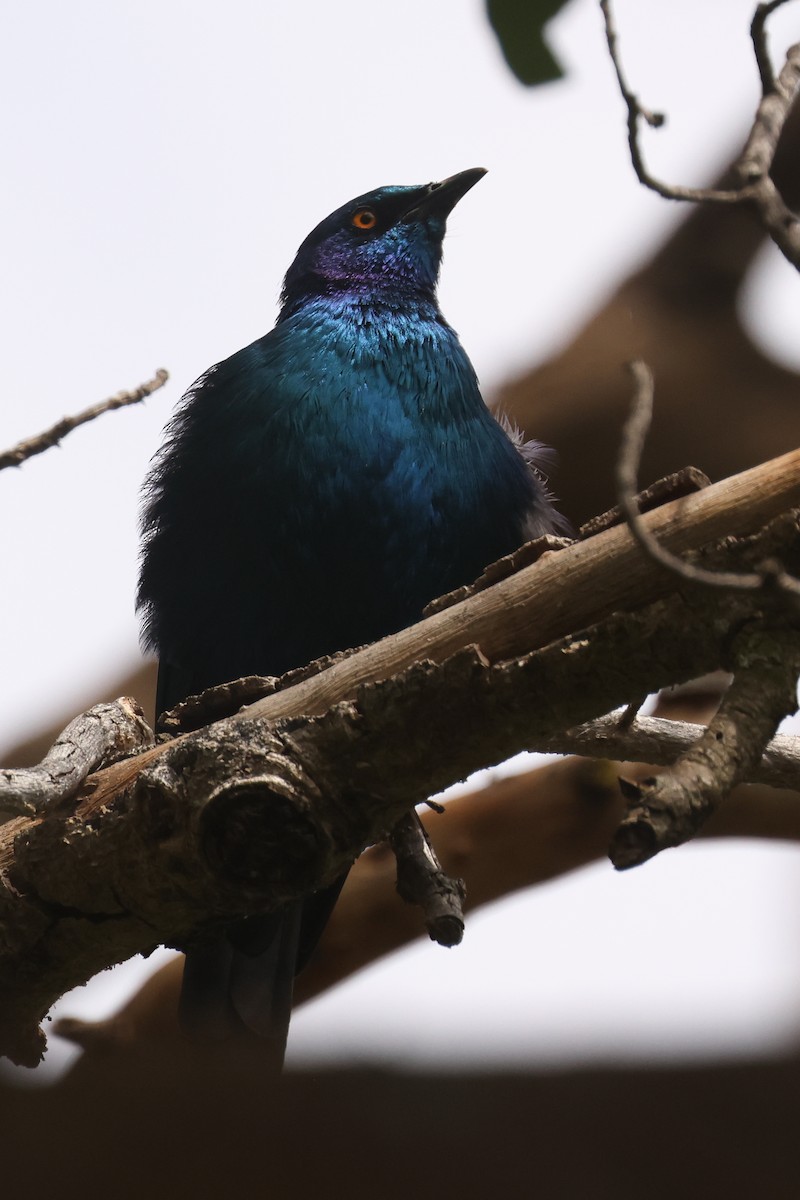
[(242, 983)]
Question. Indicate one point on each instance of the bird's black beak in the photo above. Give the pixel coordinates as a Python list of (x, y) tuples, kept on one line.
[(439, 199)]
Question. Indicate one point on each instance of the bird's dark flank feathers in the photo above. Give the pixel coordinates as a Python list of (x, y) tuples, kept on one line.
[(315, 491)]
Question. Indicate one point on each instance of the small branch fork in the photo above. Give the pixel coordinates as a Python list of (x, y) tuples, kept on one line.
[(752, 168), (51, 437)]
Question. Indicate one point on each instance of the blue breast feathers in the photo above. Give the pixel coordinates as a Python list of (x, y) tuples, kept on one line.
[(362, 475)]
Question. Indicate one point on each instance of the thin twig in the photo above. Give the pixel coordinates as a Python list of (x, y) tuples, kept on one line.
[(637, 111), (633, 439), (771, 576), (44, 441), (627, 717), (759, 36), (421, 880), (753, 166)]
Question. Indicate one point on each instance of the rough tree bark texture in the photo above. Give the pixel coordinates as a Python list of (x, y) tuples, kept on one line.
[(276, 801)]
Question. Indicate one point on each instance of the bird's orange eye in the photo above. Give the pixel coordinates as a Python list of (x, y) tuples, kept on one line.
[(365, 218)]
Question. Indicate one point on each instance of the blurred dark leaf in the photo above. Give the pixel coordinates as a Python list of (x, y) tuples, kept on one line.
[(518, 25)]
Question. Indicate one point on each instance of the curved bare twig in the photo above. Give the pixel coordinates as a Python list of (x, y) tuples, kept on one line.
[(752, 169), (771, 575)]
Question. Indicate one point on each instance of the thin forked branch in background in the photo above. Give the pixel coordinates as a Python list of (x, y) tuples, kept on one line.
[(752, 168)]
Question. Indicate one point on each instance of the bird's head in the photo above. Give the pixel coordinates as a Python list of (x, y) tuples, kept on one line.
[(384, 243)]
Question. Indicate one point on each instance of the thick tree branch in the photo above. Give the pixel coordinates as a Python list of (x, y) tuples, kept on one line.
[(51, 437), (278, 800), (514, 833), (555, 595)]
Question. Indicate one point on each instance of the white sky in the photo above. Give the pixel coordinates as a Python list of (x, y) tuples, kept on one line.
[(162, 161)]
